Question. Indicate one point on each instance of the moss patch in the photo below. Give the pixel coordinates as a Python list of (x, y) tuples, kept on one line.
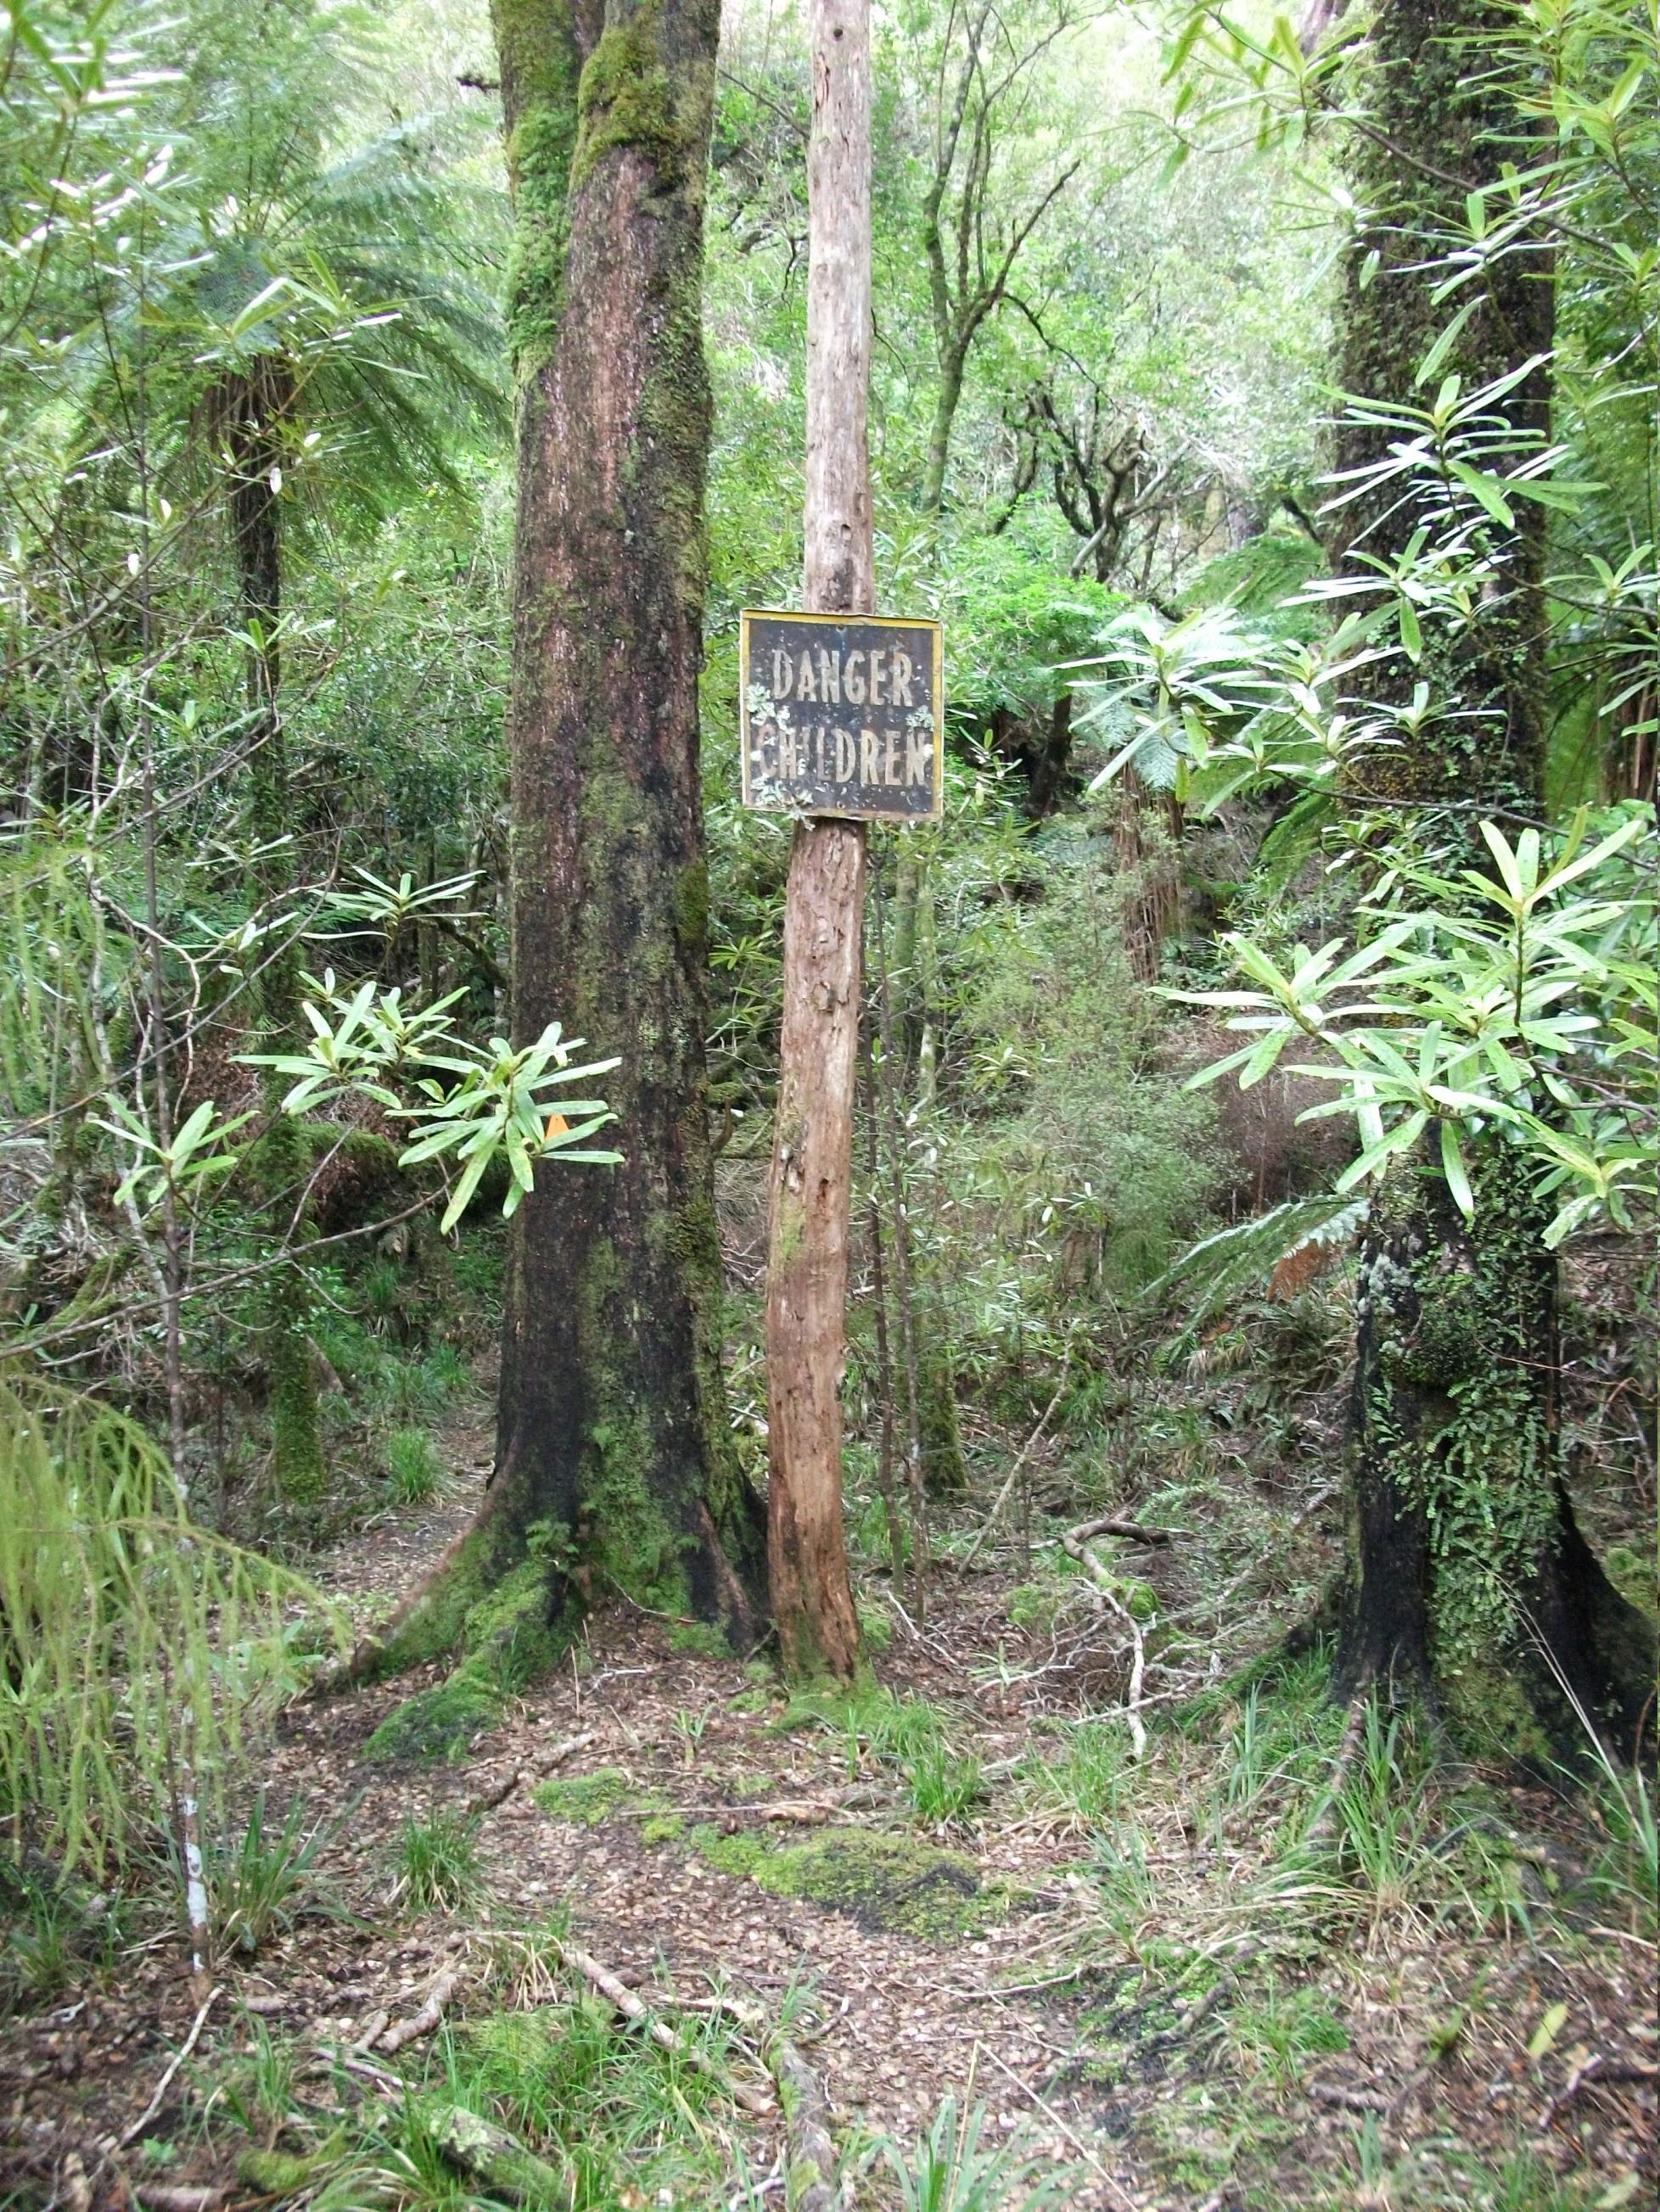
[(883, 1882), (588, 1799), (441, 1723), (509, 1639)]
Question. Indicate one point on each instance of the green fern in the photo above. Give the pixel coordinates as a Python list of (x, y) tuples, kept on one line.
[(1234, 1261)]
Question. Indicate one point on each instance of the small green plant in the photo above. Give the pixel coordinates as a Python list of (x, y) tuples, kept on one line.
[(414, 1467), (943, 1784), (258, 2090), (1277, 2033), (269, 1879), (952, 2168), (438, 1863), (43, 1941), (1080, 1790), (689, 1727)]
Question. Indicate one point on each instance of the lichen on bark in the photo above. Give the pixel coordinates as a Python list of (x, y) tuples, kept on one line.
[(1467, 1575), (613, 1424)]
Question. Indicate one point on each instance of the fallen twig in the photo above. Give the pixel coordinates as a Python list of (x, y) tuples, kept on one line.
[(634, 2008), (1324, 1826), (1076, 1544), (1002, 1497), (1214, 1603), (811, 2170), (164, 2197), (1351, 2100), (1070, 2133), (424, 2022), (1132, 1532), (355, 2061), (1595, 2068), (165, 2083)]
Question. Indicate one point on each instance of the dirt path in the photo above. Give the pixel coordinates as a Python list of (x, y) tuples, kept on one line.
[(1128, 1967)]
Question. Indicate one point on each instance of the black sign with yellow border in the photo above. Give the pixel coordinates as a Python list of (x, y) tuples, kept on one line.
[(842, 714)]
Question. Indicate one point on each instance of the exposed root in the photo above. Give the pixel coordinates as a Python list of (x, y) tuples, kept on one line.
[(811, 2168), (424, 2022), (633, 2008)]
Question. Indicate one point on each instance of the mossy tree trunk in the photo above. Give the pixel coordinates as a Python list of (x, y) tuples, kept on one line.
[(1468, 1577), (252, 412), (615, 1469)]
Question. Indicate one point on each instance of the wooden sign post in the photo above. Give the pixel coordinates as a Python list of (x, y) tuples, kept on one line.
[(824, 911)]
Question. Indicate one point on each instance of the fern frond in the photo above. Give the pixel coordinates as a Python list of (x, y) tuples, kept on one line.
[(1233, 1260)]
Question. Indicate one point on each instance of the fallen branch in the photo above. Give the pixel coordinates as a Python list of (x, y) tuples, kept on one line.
[(1002, 1497), (165, 2083), (496, 1792), (1348, 2101), (424, 2022), (634, 2008), (1076, 1545), (1132, 1532), (162, 2196), (810, 2164), (497, 2158)]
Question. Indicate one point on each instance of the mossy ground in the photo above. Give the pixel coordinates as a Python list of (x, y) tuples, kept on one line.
[(890, 1883)]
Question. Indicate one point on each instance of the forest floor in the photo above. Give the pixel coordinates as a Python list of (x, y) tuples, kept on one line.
[(1197, 1980)]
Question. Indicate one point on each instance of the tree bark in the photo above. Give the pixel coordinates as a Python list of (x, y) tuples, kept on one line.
[(824, 904), (252, 411), (615, 1468), (1467, 1574)]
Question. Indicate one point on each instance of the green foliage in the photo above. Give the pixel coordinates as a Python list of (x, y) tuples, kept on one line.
[(139, 1645), (414, 1467), (439, 1867), (269, 1878), (52, 1931), (1494, 1001), (952, 2168)]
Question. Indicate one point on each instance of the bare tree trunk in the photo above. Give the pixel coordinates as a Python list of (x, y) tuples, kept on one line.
[(255, 408), (823, 912)]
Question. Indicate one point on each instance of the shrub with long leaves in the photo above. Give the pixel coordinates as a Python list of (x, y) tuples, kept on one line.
[(140, 1650)]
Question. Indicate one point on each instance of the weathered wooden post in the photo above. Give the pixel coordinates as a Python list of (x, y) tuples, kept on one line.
[(824, 904), (840, 722)]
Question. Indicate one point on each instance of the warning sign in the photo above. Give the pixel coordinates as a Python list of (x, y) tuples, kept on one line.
[(842, 714)]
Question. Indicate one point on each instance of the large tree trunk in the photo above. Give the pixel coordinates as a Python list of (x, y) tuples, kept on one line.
[(250, 412), (1467, 1577), (615, 1468)]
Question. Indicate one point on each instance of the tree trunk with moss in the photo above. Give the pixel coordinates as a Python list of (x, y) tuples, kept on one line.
[(251, 411), (1468, 1577), (615, 1470)]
